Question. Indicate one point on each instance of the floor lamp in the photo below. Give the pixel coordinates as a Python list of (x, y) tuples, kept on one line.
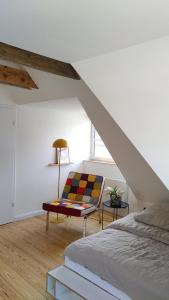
[(59, 144)]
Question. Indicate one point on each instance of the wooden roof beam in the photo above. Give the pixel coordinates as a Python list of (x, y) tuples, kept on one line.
[(37, 61), (16, 77)]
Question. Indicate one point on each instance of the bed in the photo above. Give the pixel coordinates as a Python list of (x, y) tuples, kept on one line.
[(129, 259)]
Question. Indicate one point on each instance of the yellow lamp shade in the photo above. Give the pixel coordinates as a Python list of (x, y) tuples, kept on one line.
[(60, 143)]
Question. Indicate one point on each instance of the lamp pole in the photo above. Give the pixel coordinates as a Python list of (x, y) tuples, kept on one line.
[(59, 157)]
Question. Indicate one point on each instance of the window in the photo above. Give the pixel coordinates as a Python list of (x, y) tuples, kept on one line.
[(98, 150)]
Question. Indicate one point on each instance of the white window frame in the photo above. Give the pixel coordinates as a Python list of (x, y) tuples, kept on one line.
[(92, 148)]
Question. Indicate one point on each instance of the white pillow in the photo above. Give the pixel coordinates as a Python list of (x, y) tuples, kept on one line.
[(155, 215)]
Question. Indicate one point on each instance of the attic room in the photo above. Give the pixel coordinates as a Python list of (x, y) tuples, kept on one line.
[(84, 199)]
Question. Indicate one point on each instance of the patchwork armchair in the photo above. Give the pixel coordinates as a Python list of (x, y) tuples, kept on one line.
[(80, 198)]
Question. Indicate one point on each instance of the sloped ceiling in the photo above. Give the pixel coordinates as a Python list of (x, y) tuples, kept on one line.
[(72, 30)]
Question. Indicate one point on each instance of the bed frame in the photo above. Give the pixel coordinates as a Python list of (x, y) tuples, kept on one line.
[(65, 284), (73, 281)]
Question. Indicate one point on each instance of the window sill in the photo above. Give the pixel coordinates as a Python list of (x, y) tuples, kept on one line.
[(100, 161), (61, 164)]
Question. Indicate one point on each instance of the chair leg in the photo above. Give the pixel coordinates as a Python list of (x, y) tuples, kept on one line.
[(47, 221), (99, 216), (84, 226)]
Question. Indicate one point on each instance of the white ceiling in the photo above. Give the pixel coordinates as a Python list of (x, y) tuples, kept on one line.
[(66, 105), (72, 30)]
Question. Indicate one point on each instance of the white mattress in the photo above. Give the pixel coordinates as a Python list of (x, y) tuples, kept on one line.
[(84, 272)]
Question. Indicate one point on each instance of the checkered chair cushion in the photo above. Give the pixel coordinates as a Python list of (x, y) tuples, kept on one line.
[(80, 196)]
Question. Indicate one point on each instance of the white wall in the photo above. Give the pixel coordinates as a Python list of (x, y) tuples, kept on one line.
[(5, 97), (37, 127), (143, 181), (35, 181), (111, 171), (133, 85), (103, 169)]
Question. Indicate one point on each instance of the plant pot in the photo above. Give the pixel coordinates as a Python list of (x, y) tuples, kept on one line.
[(114, 200)]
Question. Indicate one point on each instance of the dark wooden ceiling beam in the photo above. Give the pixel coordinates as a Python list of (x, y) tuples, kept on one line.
[(16, 77), (37, 61)]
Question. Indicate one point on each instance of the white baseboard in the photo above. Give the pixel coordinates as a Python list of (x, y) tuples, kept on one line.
[(28, 215)]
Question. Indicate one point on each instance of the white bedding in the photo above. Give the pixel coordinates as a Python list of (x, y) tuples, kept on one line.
[(131, 256), (155, 215), (131, 225)]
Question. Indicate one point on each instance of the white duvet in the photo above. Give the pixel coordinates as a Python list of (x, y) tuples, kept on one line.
[(132, 256)]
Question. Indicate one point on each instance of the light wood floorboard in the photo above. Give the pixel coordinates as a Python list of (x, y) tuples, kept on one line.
[(27, 252)]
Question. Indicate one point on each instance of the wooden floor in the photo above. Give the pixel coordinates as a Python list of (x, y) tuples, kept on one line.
[(27, 252)]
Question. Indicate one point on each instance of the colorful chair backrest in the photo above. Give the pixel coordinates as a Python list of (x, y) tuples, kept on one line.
[(83, 187)]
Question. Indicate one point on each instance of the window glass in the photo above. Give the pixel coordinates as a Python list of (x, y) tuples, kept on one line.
[(98, 148)]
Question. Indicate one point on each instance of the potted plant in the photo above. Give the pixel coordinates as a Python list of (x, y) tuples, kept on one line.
[(115, 195)]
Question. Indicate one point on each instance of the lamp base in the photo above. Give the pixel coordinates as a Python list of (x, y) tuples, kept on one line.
[(57, 218)]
